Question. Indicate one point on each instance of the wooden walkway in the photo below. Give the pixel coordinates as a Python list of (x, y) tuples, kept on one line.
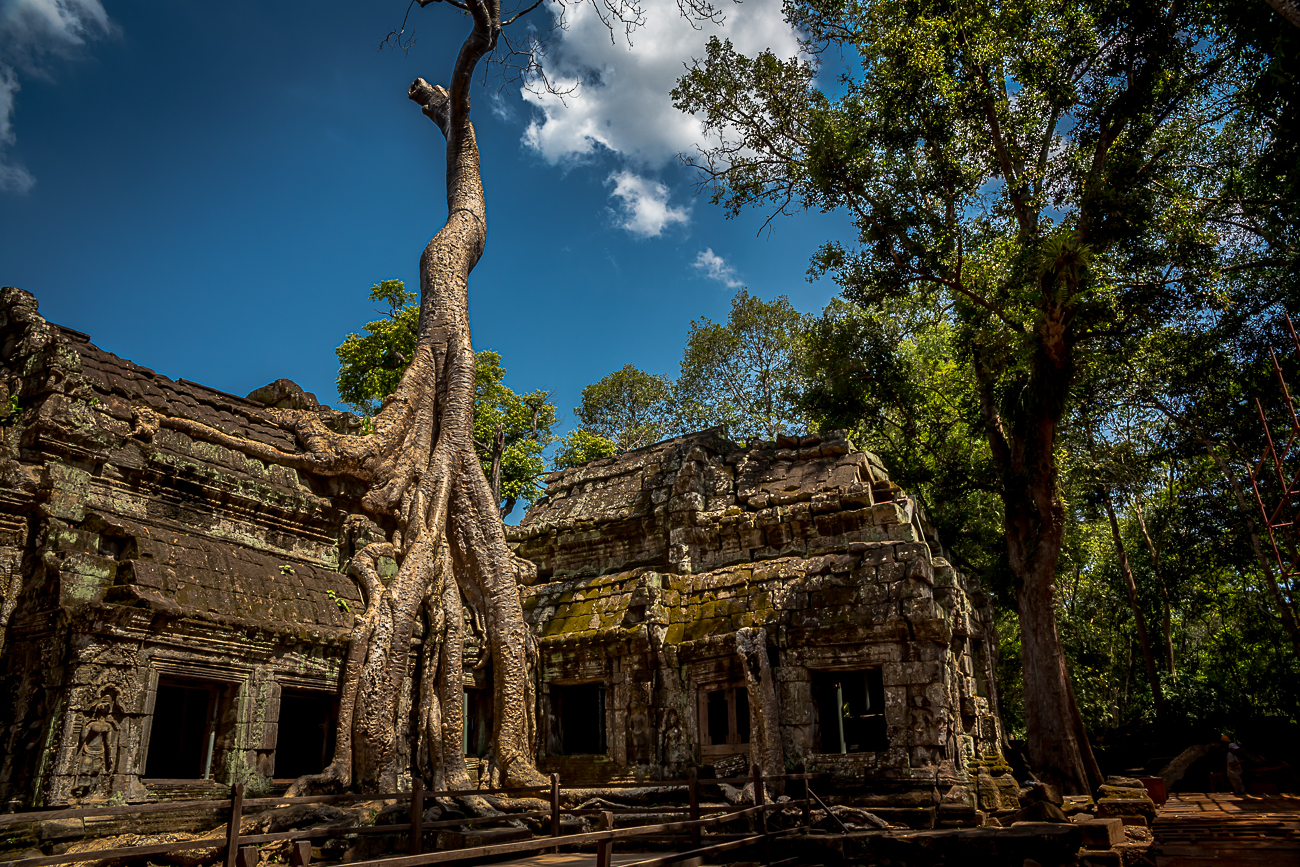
[(1214, 830), (586, 859)]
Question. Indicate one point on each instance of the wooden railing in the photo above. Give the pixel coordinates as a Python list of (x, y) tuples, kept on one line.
[(241, 850)]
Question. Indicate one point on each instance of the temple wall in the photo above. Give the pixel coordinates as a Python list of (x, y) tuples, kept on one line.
[(170, 608), (659, 570), (134, 561)]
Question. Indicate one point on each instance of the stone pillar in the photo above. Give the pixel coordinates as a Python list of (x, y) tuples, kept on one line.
[(764, 718)]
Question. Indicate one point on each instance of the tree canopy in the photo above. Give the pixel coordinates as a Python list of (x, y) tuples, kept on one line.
[(743, 374), (627, 408), (1054, 179)]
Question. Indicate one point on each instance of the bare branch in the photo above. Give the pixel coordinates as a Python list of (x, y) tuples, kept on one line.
[(513, 18)]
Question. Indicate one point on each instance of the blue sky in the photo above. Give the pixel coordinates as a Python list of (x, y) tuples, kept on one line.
[(210, 190)]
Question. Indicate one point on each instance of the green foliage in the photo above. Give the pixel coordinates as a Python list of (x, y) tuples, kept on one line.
[(1057, 204), (743, 375), (526, 422), (371, 365), (580, 446), (286, 569), (1000, 161), (892, 379), (628, 408), (338, 601)]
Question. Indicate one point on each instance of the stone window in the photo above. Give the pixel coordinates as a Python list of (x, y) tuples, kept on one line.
[(578, 719), (478, 722), (187, 729), (850, 711), (305, 739), (724, 720), (981, 674)]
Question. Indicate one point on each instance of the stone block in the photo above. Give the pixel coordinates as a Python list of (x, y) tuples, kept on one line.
[(1124, 782), (1008, 791), (1136, 793), (1101, 833), (1036, 790), (1122, 808), (1078, 804)]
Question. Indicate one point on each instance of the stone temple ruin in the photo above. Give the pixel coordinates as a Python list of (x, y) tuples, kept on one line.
[(170, 607)]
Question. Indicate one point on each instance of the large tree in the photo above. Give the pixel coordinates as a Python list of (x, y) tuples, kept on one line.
[(429, 510), (627, 409), (1053, 176), (743, 374)]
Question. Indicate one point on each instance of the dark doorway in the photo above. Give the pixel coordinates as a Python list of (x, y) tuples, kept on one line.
[(725, 713), (478, 722), (850, 710), (182, 733), (305, 736), (579, 713)]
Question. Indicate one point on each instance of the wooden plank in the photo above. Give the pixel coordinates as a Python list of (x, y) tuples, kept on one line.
[(540, 843), (236, 819), (478, 820), (706, 851), (555, 805), (572, 859), (325, 799), (629, 811), (693, 792), (126, 852), (310, 833), (96, 812), (417, 816), (604, 848)]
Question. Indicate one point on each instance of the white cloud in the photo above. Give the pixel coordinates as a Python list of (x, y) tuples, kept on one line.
[(621, 100), (613, 97), (643, 208), (501, 109), (13, 178), (716, 268), (32, 33)]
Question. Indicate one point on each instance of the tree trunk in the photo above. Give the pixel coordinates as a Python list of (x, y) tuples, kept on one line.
[(1058, 744), (427, 493), (1288, 9), (1022, 446), (1144, 638), (498, 449), (1158, 567)]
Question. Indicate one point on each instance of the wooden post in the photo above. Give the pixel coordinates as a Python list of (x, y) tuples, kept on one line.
[(417, 815), (555, 805), (604, 848), (249, 856), (693, 789), (232, 829), (300, 856)]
